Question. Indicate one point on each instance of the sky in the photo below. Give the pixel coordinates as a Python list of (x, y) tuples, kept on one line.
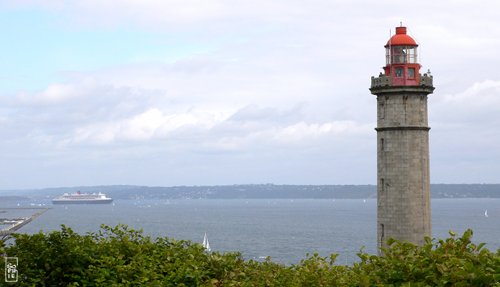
[(216, 92)]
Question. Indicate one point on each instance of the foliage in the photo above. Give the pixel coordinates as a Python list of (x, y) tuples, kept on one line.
[(455, 261), (120, 256)]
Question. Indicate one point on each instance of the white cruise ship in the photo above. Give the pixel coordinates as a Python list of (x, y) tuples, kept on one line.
[(79, 198)]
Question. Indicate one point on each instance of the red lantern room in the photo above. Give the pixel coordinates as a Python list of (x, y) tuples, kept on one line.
[(401, 59)]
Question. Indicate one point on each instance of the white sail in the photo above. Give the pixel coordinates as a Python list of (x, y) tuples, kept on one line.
[(206, 244), (486, 213)]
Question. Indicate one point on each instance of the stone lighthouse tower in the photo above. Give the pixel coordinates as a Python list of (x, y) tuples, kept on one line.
[(403, 188)]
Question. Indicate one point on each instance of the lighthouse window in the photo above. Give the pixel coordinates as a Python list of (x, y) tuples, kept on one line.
[(382, 109), (382, 234), (412, 54), (399, 72), (411, 73), (398, 55)]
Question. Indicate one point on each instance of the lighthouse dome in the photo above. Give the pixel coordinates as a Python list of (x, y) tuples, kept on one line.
[(401, 38)]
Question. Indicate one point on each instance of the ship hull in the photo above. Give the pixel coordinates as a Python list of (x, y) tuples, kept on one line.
[(82, 201)]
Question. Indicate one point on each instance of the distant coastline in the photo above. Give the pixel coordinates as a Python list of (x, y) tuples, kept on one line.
[(252, 191)]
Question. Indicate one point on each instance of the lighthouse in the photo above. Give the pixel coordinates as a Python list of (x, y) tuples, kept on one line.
[(403, 186)]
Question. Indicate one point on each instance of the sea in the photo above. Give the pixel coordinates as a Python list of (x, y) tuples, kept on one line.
[(284, 229)]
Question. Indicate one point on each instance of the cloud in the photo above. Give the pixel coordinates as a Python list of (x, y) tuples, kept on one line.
[(464, 133), (205, 129), (478, 104), (161, 15), (260, 90), (151, 124), (53, 94), (480, 95)]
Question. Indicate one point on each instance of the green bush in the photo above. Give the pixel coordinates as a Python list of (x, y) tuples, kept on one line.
[(451, 262), (119, 256)]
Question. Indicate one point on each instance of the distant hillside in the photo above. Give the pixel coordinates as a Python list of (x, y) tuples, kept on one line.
[(13, 198), (258, 191), (465, 190)]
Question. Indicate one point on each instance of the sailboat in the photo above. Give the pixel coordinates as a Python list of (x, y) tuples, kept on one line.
[(486, 213), (206, 244)]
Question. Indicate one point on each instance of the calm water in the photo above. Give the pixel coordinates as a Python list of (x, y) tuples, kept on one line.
[(286, 230)]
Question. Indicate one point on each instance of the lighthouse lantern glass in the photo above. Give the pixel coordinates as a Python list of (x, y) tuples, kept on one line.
[(401, 55)]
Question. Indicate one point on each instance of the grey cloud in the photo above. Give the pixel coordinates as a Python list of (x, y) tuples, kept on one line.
[(280, 95), (253, 113)]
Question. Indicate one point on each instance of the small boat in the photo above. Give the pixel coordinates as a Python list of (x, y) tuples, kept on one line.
[(486, 213), (206, 244)]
